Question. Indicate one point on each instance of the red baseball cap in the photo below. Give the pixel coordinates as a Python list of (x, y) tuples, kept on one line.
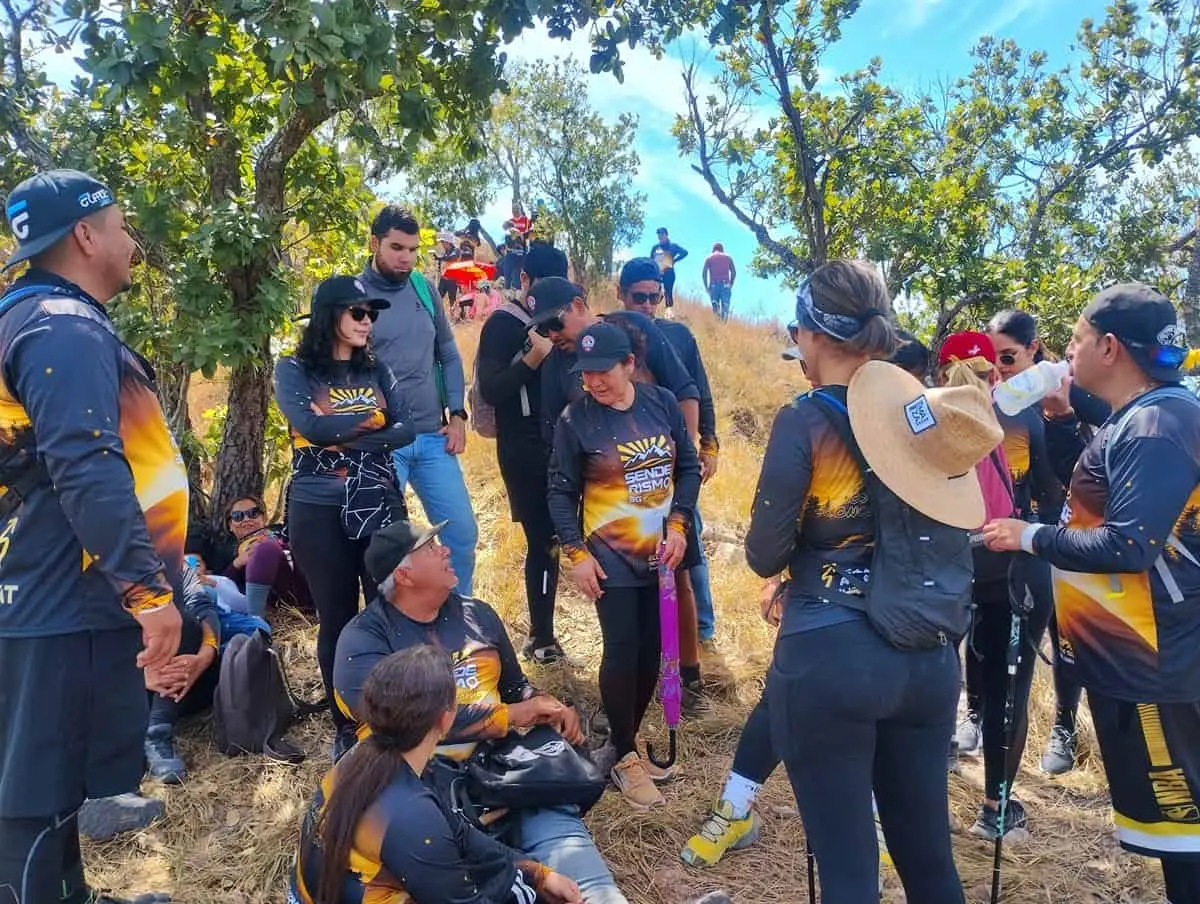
[(966, 345)]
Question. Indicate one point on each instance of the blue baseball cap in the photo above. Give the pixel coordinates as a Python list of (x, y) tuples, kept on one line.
[(44, 208), (602, 346)]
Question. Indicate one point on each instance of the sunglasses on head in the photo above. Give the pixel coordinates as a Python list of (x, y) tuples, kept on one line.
[(1172, 357), (240, 515), (646, 297), (359, 313)]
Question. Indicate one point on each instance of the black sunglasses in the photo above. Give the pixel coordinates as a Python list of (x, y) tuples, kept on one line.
[(553, 325), (646, 297), (359, 313), (1008, 359), (238, 516)]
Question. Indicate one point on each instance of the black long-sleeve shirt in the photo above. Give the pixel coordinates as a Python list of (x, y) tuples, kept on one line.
[(1067, 437), (502, 380), (616, 476), (1127, 559), (685, 346)]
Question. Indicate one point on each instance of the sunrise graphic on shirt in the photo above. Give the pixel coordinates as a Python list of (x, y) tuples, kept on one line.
[(836, 488)]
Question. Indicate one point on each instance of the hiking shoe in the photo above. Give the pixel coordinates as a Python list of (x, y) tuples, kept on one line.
[(103, 818), (1016, 825), (1060, 751), (969, 735), (694, 702), (284, 751), (953, 766), (163, 763), (722, 831), (543, 655), (632, 780), (343, 741)]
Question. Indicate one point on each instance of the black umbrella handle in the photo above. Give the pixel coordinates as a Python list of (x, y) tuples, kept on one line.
[(671, 751)]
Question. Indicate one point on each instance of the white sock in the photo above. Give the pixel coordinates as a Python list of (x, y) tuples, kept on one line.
[(740, 792)]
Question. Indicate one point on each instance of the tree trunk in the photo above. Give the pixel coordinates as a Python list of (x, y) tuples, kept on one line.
[(239, 468), (1191, 295)]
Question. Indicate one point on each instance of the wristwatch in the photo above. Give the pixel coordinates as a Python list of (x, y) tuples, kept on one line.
[(460, 414)]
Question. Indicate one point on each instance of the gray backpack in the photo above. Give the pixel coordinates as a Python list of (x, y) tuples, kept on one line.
[(483, 414)]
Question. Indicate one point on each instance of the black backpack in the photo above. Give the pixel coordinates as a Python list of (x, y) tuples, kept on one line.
[(921, 568), (254, 706)]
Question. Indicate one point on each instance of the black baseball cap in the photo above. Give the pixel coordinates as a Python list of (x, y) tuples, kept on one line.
[(639, 269), (661, 229), (391, 545), (549, 296), (342, 292), (601, 346), (542, 259), (44, 208), (1146, 323)]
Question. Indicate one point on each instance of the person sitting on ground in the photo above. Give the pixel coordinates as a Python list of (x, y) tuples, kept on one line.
[(1126, 574), (851, 712), (1003, 582), (373, 808), (623, 466), (346, 414), (416, 606), (263, 569)]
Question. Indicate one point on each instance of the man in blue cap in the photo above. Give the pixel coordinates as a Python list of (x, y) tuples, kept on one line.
[(93, 514)]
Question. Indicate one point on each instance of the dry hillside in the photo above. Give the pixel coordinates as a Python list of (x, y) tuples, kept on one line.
[(229, 832)]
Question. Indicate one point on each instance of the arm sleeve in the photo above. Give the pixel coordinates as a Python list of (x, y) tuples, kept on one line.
[(665, 364), (678, 252), (294, 397), (1047, 489), (399, 431), (451, 360), (779, 499), (687, 467), (358, 651), (200, 606), (1150, 482), (500, 378), (514, 686), (554, 397), (67, 376), (1089, 409), (1064, 444), (565, 490)]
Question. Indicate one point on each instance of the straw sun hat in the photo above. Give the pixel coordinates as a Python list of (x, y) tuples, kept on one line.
[(924, 443)]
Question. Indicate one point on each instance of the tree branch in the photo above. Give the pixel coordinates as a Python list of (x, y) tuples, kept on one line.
[(27, 143)]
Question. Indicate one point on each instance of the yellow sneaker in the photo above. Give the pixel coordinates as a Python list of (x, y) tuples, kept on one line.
[(633, 781), (721, 832)]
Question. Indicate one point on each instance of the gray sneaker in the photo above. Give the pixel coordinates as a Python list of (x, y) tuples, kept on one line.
[(969, 735), (162, 762), (106, 817), (1060, 751)]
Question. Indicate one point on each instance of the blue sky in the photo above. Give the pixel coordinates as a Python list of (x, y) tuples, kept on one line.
[(919, 41)]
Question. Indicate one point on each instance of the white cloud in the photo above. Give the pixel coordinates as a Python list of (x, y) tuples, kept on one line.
[(1010, 12)]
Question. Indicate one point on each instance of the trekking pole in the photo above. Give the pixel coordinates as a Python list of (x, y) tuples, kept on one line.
[(1012, 663), (812, 874), (672, 684)]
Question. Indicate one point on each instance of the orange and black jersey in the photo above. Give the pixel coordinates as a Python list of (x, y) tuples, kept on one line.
[(102, 534), (616, 476), (812, 516), (1127, 560), (485, 665), (410, 849)]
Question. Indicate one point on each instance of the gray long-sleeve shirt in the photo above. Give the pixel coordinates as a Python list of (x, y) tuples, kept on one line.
[(411, 343)]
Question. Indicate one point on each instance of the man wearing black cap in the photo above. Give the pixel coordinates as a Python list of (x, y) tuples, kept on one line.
[(510, 356), (1127, 574), (417, 604), (94, 513)]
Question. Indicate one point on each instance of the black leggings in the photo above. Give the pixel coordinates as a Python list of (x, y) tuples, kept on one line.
[(40, 861), (541, 577), (850, 712), (1066, 691), (333, 565), (1182, 879), (629, 664), (987, 669), (755, 757), (669, 286)]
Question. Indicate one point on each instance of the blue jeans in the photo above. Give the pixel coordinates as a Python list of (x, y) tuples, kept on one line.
[(437, 479), (556, 837), (706, 619), (720, 294)]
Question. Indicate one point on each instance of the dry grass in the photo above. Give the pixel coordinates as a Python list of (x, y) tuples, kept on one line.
[(229, 833)]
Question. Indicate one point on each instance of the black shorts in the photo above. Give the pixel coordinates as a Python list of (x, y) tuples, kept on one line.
[(1151, 754), (73, 708)]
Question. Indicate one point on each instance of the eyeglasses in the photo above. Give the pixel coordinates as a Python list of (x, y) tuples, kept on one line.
[(359, 313), (646, 297), (1008, 359), (240, 515)]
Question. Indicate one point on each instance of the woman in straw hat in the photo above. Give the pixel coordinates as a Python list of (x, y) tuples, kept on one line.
[(1018, 482), (848, 710)]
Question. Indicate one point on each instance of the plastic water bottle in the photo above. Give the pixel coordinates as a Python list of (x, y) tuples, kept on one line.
[(1030, 386)]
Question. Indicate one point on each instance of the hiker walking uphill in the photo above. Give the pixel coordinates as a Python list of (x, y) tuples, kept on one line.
[(840, 532), (667, 254), (624, 469), (1126, 573), (414, 338), (718, 274), (507, 373), (94, 509)]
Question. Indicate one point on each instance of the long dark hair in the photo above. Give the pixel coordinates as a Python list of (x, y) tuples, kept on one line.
[(1018, 325), (315, 351), (402, 700)]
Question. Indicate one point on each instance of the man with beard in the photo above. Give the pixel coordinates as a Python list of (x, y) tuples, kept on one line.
[(413, 337)]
